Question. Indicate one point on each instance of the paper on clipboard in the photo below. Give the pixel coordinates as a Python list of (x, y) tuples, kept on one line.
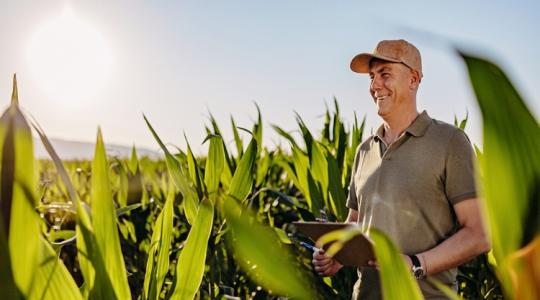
[(356, 252)]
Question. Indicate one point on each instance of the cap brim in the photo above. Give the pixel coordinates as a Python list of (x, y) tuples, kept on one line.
[(360, 63)]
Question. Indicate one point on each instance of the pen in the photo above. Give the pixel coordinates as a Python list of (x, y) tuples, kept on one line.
[(309, 247)]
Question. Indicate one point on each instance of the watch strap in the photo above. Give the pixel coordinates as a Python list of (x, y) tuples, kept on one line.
[(415, 261)]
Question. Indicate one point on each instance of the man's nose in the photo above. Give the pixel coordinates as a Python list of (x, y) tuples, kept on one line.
[(375, 84)]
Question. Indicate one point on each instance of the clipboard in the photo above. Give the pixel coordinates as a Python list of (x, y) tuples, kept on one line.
[(356, 252)]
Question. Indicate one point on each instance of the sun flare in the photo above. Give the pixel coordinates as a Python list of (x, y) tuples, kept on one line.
[(69, 59)]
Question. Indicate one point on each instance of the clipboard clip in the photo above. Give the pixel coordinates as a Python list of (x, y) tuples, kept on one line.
[(323, 218)]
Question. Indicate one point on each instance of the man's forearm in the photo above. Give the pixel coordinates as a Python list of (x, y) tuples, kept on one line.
[(461, 247), (468, 242)]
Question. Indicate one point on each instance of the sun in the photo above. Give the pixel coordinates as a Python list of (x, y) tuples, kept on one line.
[(69, 59)]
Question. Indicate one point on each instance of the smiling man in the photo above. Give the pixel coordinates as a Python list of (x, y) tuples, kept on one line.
[(413, 179)]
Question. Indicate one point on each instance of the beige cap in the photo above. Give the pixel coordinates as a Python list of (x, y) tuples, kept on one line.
[(399, 51)]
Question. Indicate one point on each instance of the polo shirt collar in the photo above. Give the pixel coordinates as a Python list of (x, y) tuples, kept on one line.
[(417, 128), (420, 125)]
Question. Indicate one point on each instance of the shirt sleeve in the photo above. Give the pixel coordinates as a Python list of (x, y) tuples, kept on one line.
[(460, 169), (352, 201)]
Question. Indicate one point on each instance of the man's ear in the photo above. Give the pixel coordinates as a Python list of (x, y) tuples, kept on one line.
[(414, 80)]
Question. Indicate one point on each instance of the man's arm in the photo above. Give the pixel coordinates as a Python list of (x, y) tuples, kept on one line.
[(323, 264), (469, 241)]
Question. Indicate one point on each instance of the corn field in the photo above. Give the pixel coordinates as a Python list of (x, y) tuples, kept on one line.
[(218, 226)]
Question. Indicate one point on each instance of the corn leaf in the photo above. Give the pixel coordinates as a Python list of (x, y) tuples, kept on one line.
[(7, 282), (337, 198), (286, 135), (215, 164), (53, 280), (180, 179), (194, 171), (17, 194), (339, 135), (396, 279), (242, 180), (229, 164), (259, 252), (447, 291), (123, 186), (319, 167), (157, 264), (510, 168), (133, 163), (258, 130), (104, 222), (237, 140), (301, 165), (190, 266), (89, 256)]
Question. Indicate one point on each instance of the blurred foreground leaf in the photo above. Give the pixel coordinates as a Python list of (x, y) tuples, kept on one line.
[(21, 223), (510, 168)]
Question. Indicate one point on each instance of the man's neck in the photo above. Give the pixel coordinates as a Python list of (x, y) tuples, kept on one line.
[(394, 126)]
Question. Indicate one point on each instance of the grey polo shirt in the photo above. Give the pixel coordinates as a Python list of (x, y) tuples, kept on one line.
[(407, 189)]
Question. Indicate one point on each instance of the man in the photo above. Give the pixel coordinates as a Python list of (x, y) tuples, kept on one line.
[(413, 179)]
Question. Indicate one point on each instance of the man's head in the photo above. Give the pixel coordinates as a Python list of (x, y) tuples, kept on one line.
[(395, 69)]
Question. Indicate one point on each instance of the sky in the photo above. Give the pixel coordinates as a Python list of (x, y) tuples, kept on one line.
[(177, 61)]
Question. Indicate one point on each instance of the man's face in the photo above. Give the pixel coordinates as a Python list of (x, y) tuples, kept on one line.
[(390, 87)]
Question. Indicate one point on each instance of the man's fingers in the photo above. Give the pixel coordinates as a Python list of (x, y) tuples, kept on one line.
[(373, 264), (320, 254), (321, 262)]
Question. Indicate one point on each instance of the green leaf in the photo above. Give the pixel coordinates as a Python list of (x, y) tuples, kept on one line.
[(229, 167), (179, 178), (123, 185), (338, 238), (259, 252), (90, 258), (258, 129), (97, 283), (339, 135), (319, 173), (396, 279), (316, 195), (301, 165), (53, 281), (237, 139), (286, 135), (7, 282), (510, 164), (264, 167), (447, 291), (215, 163), (17, 198), (194, 171), (149, 285), (242, 180), (133, 164), (104, 222), (157, 264), (124, 210), (337, 198), (190, 266)]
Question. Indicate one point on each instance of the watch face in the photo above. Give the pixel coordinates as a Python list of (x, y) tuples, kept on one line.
[(419, 273)]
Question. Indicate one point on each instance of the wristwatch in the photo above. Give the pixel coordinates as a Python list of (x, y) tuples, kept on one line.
[(417, 268)]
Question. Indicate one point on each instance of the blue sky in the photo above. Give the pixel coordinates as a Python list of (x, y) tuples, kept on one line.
[(175, 61)]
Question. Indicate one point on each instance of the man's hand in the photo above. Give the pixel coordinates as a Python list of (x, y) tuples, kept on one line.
[(324, 265)]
